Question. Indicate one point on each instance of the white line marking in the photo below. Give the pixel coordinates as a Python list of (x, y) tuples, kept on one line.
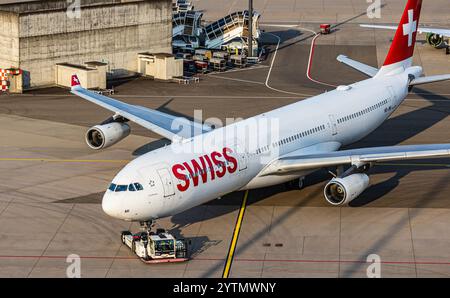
[(234, 79), (271, 66)]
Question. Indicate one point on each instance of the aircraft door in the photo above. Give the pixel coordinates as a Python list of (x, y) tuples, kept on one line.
[(242, 158), (166, 181), (333, 124), (392, 97)]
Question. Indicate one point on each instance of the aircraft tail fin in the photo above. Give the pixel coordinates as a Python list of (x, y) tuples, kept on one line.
[(402, 49), (75, 82)]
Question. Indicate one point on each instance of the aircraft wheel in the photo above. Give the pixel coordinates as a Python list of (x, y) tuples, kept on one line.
[(301, 183), (296, 184)]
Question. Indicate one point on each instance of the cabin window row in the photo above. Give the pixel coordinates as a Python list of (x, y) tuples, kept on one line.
[(299, 135), (362, 112)]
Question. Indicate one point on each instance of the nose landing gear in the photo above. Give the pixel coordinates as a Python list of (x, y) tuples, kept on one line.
[(146, 225)]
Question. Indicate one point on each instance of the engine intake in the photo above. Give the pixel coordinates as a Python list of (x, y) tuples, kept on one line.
[(435, 40), (340, 191), (106, 135)]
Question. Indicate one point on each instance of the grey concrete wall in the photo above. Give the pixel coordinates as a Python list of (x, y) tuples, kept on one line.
[(110, 33), (9, 39)]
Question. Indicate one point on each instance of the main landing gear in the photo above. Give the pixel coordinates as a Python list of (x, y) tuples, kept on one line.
[(296, 184)]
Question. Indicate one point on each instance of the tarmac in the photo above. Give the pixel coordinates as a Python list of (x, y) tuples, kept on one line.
[(51, 183)]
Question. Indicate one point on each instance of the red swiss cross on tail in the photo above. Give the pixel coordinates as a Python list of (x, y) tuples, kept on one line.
[(402, 48), (75, 81)]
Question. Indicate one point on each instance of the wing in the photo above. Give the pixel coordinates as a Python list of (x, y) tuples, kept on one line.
[(379, 26), (443, 32), (293, 164), (163, 124), (364, 68)]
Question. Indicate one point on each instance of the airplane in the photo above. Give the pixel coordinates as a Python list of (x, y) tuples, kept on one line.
[(435, 37), (203, 163)]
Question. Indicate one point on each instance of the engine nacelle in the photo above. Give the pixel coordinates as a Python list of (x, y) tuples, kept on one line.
[(106, 135), (435, 40), (340, 191)]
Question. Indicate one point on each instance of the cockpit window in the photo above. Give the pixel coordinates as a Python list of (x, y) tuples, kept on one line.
[(138, 186), (112, 187), (121, 188)]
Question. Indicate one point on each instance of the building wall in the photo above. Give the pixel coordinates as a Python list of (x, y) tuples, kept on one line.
[(111, 33), (9, 39)]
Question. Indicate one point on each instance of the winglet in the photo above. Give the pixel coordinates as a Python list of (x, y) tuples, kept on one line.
[(75, 81)]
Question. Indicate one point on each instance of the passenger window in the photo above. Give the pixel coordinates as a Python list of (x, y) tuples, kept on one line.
[(131, 187)]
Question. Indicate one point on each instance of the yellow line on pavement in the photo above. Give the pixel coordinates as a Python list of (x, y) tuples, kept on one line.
[(65, 160), (237, 229)]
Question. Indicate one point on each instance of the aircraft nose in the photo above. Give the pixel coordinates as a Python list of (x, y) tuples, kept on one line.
[(111, 205)]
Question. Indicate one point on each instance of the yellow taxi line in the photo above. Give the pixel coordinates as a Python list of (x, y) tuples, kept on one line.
[(237, 229)]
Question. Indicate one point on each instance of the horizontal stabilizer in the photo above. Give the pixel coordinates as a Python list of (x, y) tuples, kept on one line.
[(430, 79), (361, 67)]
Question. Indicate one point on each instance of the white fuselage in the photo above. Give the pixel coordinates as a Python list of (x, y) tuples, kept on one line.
[(319, 124)]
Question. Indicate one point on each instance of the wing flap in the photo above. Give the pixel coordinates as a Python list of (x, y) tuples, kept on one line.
[(292, 164)]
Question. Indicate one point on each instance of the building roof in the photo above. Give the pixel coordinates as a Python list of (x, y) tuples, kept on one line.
[(34, 6), (82, 67), (158, 55)]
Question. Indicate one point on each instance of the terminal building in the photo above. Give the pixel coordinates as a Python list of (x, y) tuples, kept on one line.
[(44, 39)]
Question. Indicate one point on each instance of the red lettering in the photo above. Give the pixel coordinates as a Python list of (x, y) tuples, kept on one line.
[(226, 153), (191, 173), (220, 164), (177, 172), (210, 167), (200, 170), (207, 163)]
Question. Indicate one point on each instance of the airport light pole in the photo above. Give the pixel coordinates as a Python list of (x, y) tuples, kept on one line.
[(250, 28)]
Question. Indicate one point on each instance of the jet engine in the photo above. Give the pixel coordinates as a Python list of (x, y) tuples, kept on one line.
[(106, 135), (435, 40), (340, 191)]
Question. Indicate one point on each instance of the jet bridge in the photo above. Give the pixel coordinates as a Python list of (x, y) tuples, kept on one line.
[(187, 23), (231, 27)]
